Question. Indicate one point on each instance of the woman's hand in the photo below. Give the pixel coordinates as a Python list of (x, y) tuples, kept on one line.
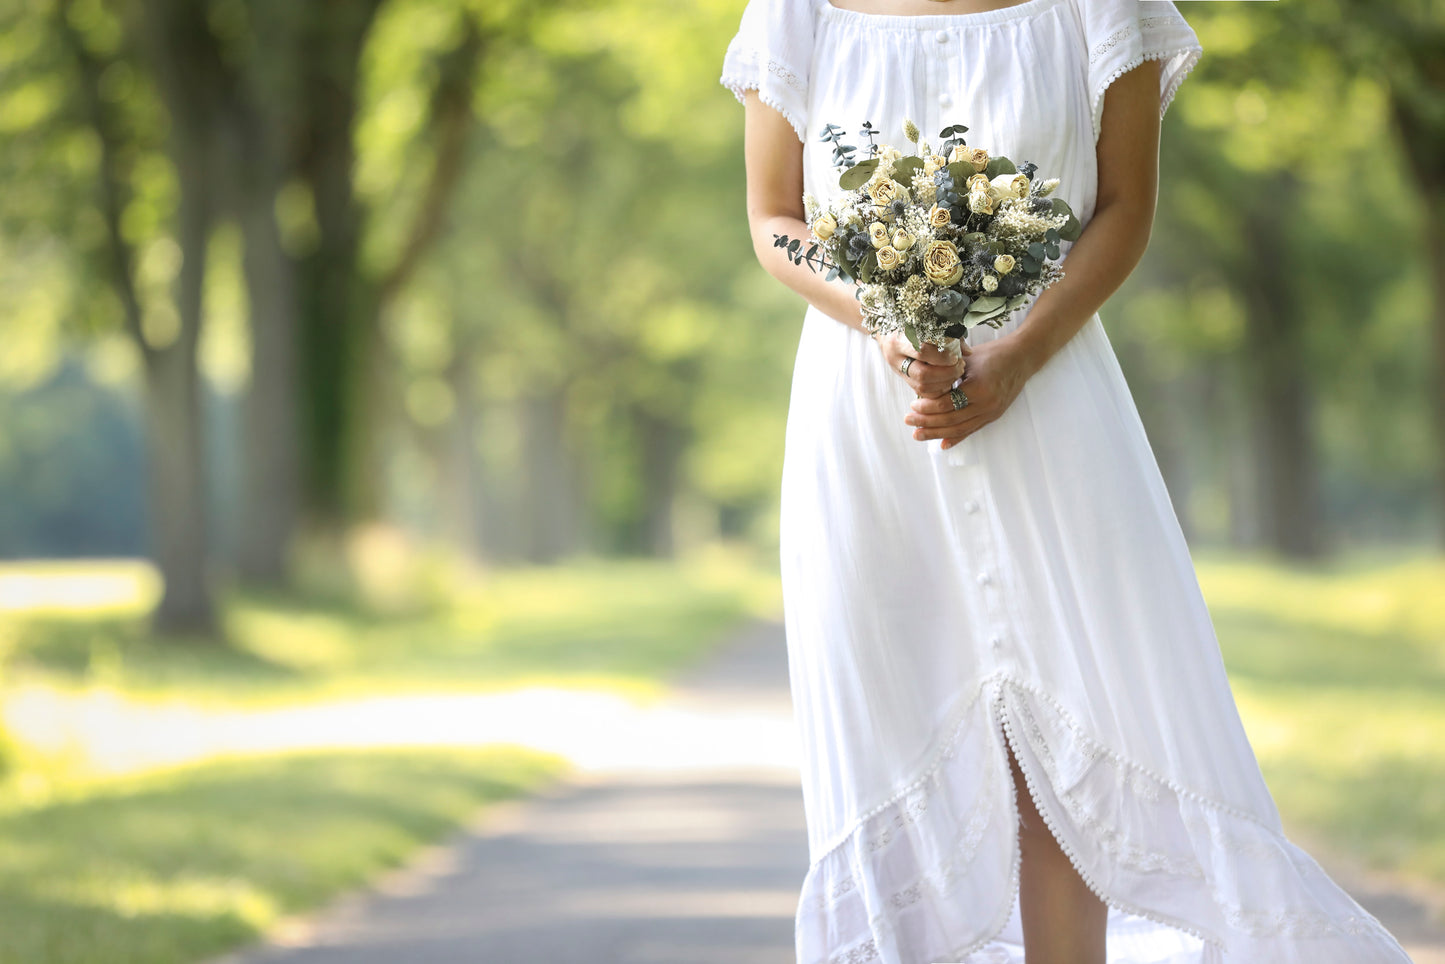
[(933, 371), (996, 374)]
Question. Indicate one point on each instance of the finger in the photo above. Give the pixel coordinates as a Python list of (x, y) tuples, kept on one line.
[(932, 405), (959, 429)]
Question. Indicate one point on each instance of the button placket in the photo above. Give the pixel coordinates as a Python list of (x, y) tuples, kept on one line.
[(979, 532), (939, 97)]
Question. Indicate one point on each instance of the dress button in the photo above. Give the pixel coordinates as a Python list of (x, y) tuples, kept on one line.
[(970, 506), (944, 100), (942, 36), (995, 642), (984, 579)]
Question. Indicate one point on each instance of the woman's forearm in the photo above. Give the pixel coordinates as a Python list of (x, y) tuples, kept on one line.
[(1106, 252), (833, 298)]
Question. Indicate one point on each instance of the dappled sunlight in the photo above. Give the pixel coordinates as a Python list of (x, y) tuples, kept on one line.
[(101, 732), (78, 589)]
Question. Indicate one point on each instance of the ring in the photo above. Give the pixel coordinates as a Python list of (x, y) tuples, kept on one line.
[(959, 399), (906, 362)]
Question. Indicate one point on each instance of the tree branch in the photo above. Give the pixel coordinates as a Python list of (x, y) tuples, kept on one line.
[(450, 120)]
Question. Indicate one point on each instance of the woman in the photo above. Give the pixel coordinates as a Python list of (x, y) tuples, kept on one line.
[(1016, 728)]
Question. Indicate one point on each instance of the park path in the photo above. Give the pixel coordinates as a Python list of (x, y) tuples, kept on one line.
[(687, 848)]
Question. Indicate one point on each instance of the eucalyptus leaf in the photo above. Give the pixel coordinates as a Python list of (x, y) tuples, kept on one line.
[(911, 331), (986, 303), (905, 168), (1036, 250), (999, 165), (1071, 230), (857, 175), (867, 265)]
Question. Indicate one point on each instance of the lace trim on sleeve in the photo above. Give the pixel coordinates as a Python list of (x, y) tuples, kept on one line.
[(1187, 53), (746, 72)]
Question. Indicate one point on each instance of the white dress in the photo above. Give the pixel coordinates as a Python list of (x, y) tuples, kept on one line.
[(1041, 591)]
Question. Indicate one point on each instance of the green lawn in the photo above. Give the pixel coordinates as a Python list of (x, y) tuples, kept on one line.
[(1339, 673), (172, 868), (606, 624), (179, 865)]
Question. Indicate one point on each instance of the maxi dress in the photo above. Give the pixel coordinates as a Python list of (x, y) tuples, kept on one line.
[(1037, 590)]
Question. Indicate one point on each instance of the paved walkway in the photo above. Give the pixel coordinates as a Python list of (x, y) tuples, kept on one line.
[(696, 860)]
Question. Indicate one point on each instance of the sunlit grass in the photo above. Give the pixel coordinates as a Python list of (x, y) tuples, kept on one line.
[(602, 624), (181, 865), (1339, 672)]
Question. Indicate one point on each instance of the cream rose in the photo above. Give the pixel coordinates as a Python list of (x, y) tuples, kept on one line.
[(878, 234), (978, 157), (889, 258), (886, 190), (902, 240), (1004, 263), (941, 263), (959, 153), (1010, 185), (932, 163), (982, 202), (825, 226), (990, 283), (938, 217), (977, 184)]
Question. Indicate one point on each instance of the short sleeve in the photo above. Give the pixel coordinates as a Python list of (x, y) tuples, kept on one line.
[(772, 53), (1122, 34)]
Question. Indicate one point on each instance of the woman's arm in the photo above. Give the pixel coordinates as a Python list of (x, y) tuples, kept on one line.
[(1113, 242), (774, 159), (1106, 252)]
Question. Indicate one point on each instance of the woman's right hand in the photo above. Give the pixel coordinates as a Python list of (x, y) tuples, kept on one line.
[(933, 371)]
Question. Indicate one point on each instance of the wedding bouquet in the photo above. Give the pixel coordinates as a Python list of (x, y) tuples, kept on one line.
[(935, 242)]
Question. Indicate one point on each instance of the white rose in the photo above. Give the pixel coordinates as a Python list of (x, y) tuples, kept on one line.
[(889, 258), (1003, 264), (878, 234), (902, 240), (824, 226), (1010, 185), (982, 202)]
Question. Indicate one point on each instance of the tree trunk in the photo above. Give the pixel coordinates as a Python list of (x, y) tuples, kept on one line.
[(549, 489), (271, 470), (662, 445), (175, 420), (1275, 358), (459, 471)]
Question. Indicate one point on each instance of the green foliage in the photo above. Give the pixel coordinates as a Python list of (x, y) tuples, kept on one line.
[(181, 866)]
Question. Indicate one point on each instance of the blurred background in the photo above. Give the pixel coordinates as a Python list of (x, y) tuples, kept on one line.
[(417, 348)]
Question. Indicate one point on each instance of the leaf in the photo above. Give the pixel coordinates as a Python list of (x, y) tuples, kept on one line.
[(999, 165), (961, 171), (1015, 302), (867, 265), (986, 303), (1036, 250), (1071, 230), (832, 273), (1030, 265), (857, 175), (903, 170), (911, 330)]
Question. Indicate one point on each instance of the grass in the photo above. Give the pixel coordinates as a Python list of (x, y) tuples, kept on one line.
[(173, 867), (182, 864), (620, 625), (1339, 673)]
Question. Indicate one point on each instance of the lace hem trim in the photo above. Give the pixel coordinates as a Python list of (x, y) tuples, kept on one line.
[(1137, 778)]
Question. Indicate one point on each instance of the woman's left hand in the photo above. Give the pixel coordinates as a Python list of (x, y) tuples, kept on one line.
[(994, 377)]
